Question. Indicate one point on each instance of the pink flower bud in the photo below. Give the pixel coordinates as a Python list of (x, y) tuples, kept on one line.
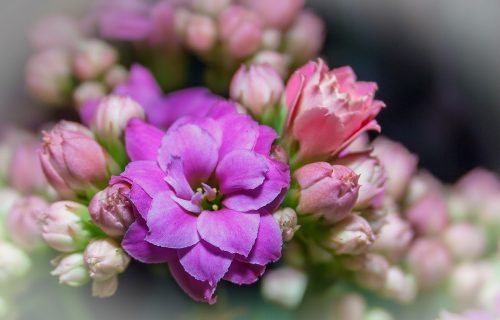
[(14, 263), (352, 235), (429, 215), (287, 220), (92, 58), (429, 261), (394, 238), (105, 259), (277, 14), (305, 38), (112, 116), (271, 39), (62, 226), (73, 162), (399, 163), (240, 31), (465, 241), (279, 61), (48, 76), (370, 270), (466, 281), (210, 7), (285, 286), (55, 32), (105, 288), (10, 139), (400, 286), (201, 33), (350, 306), (327, 191), (71, 270), (111, 210), (257, 88), (372, 178), (327, 109), (87, 92), (116, 76), (26, 173), (23, 221), (8, 197)]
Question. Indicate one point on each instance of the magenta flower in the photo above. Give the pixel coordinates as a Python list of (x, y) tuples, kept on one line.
[(204, 192)]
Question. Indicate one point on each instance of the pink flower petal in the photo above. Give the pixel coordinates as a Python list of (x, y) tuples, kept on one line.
[(229, 230), (267, 247), (244, 273), (169, 225), (147, 175), (197, 149), (198, 290), (142, 140), (241, 170), (205, 262), (277, 180), (265, 140), (239, 132), (141, 200), (135, 245), (177, 179)]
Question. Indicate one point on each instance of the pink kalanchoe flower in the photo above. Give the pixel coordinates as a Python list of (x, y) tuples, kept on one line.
[(400, 165), (240, 31), (279, 61), (257, 87), (111, 209), (328, 109), (327, 191), (204, 192), (278, 14), (353, 235), (23, 221), (73, 162), (465, 241), (394, 237), (372, 178)]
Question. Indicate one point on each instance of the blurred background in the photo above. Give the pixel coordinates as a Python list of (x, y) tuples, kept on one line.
[(437, 63)]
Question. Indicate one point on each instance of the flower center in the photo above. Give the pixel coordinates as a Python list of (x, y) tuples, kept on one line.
[(211, 198)]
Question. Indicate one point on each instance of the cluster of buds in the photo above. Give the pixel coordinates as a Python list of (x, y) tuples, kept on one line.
[(68, 66)]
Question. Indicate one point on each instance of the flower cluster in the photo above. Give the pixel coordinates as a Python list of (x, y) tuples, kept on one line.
[(217, 188)]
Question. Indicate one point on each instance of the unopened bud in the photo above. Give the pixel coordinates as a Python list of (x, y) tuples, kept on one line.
[(287, 220), (353, 235), (14, 263), (394, 238), (327, 191), (400, 286), (429, 261), (73, 162), (63, 228), (466, 281), (115, 76), (71, 270), (111, 210), (92, 58), (465, 241), (87, 92), (48, 76), (23, 221), (240, 31), (370, 270), (349, 307), (285, 286), (257, 88), (279, 61), (105, 288), (201, 33), (105, 259), (305, 38), (112, 116)]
